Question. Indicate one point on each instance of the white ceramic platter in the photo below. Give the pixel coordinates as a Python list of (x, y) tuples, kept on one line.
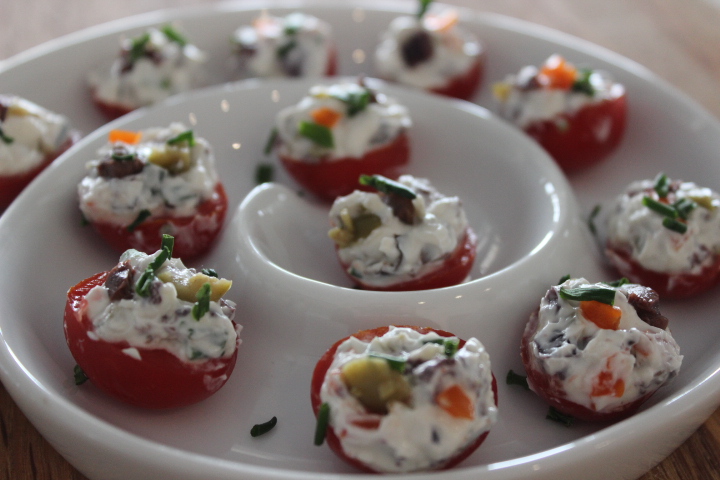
[(292, 310)]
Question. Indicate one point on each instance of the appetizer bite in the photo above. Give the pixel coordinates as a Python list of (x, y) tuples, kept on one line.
[(151, 332), (31, 137), (339, 132), (404, 399), (405, 236), (152, 182), (666, 234), (151, 67), (596, 351), (429, 51), (577, 114), (298, 45)]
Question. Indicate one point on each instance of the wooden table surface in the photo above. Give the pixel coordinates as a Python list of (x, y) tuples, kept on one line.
[(679, 40)]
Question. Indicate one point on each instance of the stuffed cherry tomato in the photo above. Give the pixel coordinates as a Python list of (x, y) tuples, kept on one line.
[(596, 351), (151, 67), (404, 399), (151, 332), (156, 181), (31, 137), (339, 132), (666, 234), (577, 115), (405, 236), (429, 51), (298, 45)]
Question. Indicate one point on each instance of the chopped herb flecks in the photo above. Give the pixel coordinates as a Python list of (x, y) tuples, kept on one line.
[(582, 294), (202, 306), (674, 225), (184, 137), (395, 363), (319, 134), (142, 216), (385, 185), (173, 35), (564, 279), (142, 287), (618, 283), (356, 102), (263, 428), (451, 347), (583, 84), (323, 420), (283, 50), (8, 140), (210, 272), (424, 4)]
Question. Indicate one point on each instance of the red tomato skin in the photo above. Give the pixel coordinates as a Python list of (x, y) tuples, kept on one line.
[(12, 185), (332, 64), (451, 272), (674, 286), (192, 235), (110, 110), (576, 146), (549, 389), (318, 378), (329, 179), (465, 85), (159, 381)]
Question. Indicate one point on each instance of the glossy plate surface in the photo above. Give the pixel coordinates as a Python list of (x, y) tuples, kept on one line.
[(294, 309)]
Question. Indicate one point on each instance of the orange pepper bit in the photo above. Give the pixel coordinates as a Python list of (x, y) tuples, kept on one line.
[(325, 116), (601, 314), (456, 402), (605, 386), (441, 22), (367, 423), (557, 73), (125, 136)]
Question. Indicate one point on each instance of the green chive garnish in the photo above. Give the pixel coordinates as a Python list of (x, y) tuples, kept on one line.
[(270, 141), (323, 420), (137, 49), (582, 84), (559, 417), (186, 136), (513, 378), (202, 306), (451, 347), (356, 102), (684, 207), (210, 272), (283, 50), (122, 158), (395, 363), (142, 287), (319, 134), (591, 219), (661, 208), (674, 225), (424, 4), (385, 185), (142, 216), (564, 279), (5, 138), (662, 185), (173, 35), (263, 173), (582, 294), (618, 283), (79, 375), (263, 428)]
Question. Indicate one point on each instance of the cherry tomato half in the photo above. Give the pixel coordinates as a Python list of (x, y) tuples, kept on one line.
[(667, 285), (329, 179), (451, 271), (318, 378), (465, 85), (12, 185), (581, 139), (550, 389), (194, 234), (159, 380)]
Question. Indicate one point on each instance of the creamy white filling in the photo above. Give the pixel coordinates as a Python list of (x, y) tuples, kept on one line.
[(421, 435), (396, 252), (375, 126), (32, 134), (575, 352), (178, 70), (296, 45), (161, 321), (454, 53), (120, 200), (526, 106), (634, 226)]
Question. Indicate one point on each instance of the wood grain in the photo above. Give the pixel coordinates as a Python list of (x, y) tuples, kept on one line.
[(677, 40)]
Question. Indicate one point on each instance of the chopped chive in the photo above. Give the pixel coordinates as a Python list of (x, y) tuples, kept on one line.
[(210, 272), (513, 378), (424, 4), (583, 84), (319, 134), (79, 375), (142, 287), (271, 141), (323, 420), (591, 219), (684, 207), (202, 306), (451, 347), (395, 363), (8, 140), (564, 279), (142, 216), (659, 207), (662, 185), (582, 294), (674, 225), (436, 341), (356, 102), (283, 50), (263, 428), (263, 173), (118, 157), (560, 417), (167, 243), (137, 49), (186, 136), (173, 35), (618, 283), (385, 185)]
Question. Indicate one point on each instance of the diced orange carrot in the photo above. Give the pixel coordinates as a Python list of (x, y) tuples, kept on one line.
[(125, 136), (604, 386), (557, 73), (601, 314), (326, 116), (441, 22), (456, 402)]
